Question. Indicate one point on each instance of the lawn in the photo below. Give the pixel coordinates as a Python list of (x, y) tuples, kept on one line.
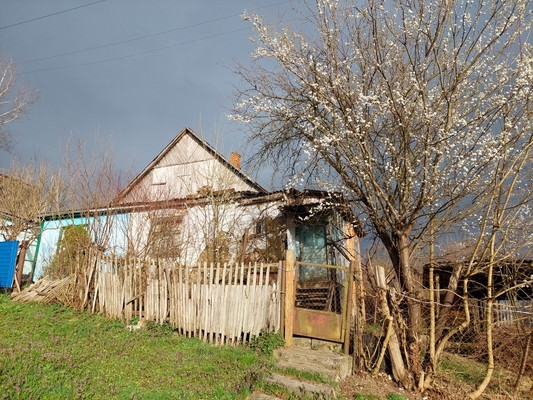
[(54, 352)]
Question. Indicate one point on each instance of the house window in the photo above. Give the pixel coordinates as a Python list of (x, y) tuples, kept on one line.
[(259, 227), (164, 237)]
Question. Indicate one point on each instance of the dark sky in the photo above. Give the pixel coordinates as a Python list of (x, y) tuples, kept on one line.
[(133, 72)]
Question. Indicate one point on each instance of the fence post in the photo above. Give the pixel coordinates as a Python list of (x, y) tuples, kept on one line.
[(289, 296), (349, 308)]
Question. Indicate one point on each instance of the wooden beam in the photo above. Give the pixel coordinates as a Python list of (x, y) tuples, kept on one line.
[(290, 294)]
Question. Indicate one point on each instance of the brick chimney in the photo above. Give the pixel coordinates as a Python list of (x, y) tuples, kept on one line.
[(235, 159)]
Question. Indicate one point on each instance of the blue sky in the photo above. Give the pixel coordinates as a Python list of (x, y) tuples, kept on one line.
[(134, 72)]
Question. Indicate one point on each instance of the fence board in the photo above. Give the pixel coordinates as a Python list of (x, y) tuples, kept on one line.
[(219, 303)]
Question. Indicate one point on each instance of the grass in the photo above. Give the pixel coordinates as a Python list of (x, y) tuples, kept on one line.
[(53, 352), (471, 372)]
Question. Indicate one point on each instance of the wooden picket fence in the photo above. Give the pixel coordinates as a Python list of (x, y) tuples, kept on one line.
[(510, 312), (219, 303), (505, 312)]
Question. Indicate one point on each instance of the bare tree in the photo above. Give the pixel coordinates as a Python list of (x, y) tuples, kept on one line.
[(28, 192), (94, 181), (403, 105), (89, 224), (13, 103)]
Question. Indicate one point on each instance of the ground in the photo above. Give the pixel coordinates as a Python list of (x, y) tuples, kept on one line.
[(381, 386)]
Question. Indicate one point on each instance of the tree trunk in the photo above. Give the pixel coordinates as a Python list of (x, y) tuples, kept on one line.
[(488, 330), (414, 307), (490, 354), (399, 372)]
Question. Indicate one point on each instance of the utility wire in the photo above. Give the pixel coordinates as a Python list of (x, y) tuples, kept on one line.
[(130, 40), (136, 39), (50, 15), (144, 36), (134, 54)]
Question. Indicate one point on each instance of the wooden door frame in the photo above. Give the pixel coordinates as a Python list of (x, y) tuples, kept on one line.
[(290, 272)]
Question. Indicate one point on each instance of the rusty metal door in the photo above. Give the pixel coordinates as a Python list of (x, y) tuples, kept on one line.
[(321, 301)]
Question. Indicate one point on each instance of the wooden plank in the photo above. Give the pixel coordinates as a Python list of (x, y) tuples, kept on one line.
[(236, 295), (223, 306), (211, 305), (308, 264), (245, 301), (180, 293), (197, 304), (205, 304), (229, 304), (277, 293), (289, 296), (250, 316), (216, 312)]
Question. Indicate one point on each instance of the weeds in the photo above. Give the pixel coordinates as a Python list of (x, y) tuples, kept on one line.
[(266, 342), (360, 396), (395, 396)]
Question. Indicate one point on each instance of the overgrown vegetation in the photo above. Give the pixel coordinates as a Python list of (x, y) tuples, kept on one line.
[(56, 352), (267, 342)]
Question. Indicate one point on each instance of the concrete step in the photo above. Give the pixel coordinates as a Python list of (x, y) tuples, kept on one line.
[(317, 357), (333, 365), (298, 388), (302, 388)]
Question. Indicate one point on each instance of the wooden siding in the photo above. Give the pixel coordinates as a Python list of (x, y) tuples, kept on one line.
[(182, 169)]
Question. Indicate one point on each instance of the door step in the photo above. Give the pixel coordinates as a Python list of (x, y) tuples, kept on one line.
[(297, 387), (319, 359)]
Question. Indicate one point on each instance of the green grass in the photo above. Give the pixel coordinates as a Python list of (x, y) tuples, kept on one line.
[(53, 352), (472, 373)]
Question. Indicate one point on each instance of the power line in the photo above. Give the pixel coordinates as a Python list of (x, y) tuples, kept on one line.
[(139, 38), (50, 15), (145, 36), (129, 40), (134, 54)]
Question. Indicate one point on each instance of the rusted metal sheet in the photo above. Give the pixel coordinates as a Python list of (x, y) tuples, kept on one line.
[(318, 324)]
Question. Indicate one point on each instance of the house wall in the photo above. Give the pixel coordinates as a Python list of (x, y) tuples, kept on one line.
[(184, 171), (199, 225), (109, 232)]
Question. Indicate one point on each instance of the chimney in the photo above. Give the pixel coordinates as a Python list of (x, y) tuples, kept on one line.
[(235, 159)]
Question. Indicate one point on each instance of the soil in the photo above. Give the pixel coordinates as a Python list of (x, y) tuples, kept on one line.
[(382, 385)]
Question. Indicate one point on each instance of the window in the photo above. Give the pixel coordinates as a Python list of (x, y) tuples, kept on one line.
[(164, 237)]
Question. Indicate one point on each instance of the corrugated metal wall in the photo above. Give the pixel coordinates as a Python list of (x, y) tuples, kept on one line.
[(8, 257)]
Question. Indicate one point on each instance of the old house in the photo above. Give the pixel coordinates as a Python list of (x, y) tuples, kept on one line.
[(191, 204), (190, 208)]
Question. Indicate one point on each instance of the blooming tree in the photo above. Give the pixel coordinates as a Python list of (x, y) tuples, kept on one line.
[(404, 105)]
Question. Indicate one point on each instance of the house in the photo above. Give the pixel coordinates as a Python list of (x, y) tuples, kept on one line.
[(191, 204)]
